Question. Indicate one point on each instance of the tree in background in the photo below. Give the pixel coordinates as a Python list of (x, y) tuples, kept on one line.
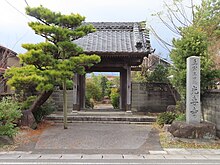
[(159, 75), (93, 90), (54, 61), (104, 86), (196, 35), (207, 19), (192, 43), (115, 93), (98, 86)]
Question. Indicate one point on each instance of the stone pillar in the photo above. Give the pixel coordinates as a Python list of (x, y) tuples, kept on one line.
[(193, 109), (128, 104), (76, 92)]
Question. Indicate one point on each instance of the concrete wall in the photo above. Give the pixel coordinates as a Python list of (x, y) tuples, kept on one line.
[(211, 108), (58, 98), (151, 97)]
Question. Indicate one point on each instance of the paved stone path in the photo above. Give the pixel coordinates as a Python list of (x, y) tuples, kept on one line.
[(169, 153), (104, 141), (96, 138)]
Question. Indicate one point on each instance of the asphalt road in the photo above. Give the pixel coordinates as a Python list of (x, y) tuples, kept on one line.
[(110, 162)]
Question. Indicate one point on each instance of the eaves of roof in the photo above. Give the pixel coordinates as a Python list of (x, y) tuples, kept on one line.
[(116, 39)]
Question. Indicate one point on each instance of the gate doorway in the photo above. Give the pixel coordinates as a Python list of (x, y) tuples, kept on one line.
[(120, 46), (102, 91)]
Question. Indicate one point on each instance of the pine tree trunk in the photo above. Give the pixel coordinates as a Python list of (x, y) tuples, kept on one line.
[(27, 118), (64, 105), (42, 98)]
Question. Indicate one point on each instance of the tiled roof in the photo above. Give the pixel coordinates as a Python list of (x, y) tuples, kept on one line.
[(3, 48), (116, 38)]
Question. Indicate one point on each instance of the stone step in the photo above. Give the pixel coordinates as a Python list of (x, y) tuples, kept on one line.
[(103, 117)]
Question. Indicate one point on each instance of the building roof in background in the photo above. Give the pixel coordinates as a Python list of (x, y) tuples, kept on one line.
[(3, 48), (117, 38), (5, 55)]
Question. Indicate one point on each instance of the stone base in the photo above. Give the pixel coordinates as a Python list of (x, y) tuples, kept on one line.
[(203, 130), (76, 107), (28, 119)]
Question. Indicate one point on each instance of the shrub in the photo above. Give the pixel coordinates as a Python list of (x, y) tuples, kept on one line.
[(89, 103), (9, 114), (181, 117), (47, 108), (27, 103), (115, 96), (166, 118), (93, 91)]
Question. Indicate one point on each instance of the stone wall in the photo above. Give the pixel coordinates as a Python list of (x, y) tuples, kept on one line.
[(58, 98), (151, 97), (211, 108)]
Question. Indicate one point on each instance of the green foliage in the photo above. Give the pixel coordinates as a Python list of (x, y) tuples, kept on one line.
[(166, 118), (50, 63), (9, 114), (180, 106), (104, 86), (193, 43), (93, 91), (115, 97), (97, 87), (46, 109), (27, 103), (69, 84), (90, 103), (138, 77), (159, 74), (181, 117), (207, 18)]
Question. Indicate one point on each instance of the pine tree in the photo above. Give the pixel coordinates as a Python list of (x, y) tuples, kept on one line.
[(54, 61)]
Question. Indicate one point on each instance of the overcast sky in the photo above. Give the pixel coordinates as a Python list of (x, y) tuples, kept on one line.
[(14, 29)]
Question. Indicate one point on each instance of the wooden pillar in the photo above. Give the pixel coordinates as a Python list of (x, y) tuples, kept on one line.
[(76, 93), (128, 90), (121, 83), (123, 89), (82, 91)]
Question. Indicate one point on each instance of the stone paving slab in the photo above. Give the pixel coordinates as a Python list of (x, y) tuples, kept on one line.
[(112, 156), (176, 151), (174, 156), (50, 156), (71, 156), (30, 156), (200, 151), (109, 156), (194, 157), (133, 156), (95, 156), (154, 157), (216, 157), (157, 152), (10, 156), (216, 151)]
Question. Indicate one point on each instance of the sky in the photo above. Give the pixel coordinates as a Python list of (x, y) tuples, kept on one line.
[(14, 29)]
